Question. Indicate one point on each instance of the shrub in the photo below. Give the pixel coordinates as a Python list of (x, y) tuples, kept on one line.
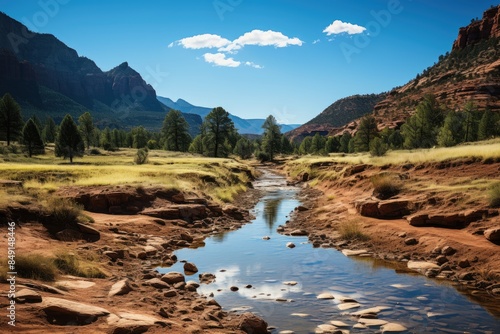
[(36, 267), (351, 230), (94, 151), (378, 148), (63, 211), (141, 156), (494, 195), (386, 185), (68, 263)]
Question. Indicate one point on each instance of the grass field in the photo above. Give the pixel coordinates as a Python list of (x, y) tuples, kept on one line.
[(219, 178)]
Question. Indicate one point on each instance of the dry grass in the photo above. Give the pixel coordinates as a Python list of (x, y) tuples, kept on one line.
[(69, 263), (182, 171), (386, 185), (35, 266), (494, 195), (351, 230)]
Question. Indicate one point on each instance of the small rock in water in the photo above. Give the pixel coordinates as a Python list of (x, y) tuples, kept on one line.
[(234, 288), (393, 327), (300, 315), (339, 323), (348, 306), (266, 238), (372, 322), (290, 245), (400, 286), (292, 283), (325, 296)]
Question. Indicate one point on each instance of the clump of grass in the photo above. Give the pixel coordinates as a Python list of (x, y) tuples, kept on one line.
[(63, 210), (68, 263), (351, 230), (35, 266), (494, 195), (386, 185), (141, 156)]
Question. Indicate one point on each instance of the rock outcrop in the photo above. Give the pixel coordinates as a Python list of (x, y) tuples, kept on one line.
[(487, 27)]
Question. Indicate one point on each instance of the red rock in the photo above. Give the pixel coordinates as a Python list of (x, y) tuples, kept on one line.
[(486, 28)]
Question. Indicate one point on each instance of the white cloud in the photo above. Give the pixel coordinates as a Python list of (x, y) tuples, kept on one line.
[(266, 38), (203, 41), (316, 41), (339, 27), (171, 45), (219, 59), (252, 64)]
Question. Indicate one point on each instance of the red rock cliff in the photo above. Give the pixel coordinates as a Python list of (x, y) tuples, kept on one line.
[(487, 27)]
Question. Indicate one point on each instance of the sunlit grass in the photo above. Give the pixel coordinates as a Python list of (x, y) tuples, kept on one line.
[(351, 230)]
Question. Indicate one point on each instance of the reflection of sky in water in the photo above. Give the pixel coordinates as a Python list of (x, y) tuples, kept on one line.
[(243, 258)]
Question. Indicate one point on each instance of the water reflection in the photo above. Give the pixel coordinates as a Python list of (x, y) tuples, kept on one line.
[(271, 207)]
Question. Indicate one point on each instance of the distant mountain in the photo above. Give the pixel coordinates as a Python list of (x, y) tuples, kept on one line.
[(244, 126), (337, 115)]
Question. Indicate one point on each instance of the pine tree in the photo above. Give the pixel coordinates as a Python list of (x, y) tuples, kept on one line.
[(69, 142), (367, 131), (286, 145), (32, 140), (332, 144), (218, 129), (49, 131), (140, 137), (470, 122), (243, 148), (377, 147), (11, 122), (271, 140), (486, 128), (344, 142), (86, 127), (175, 132), (305, 146), (451, 133), (318, 144)]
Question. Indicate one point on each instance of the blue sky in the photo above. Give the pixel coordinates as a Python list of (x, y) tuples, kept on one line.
[(288, 58)]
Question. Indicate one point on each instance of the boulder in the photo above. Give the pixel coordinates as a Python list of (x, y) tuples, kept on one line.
[(448, 250), (89, 233), (251, 324), (297, 233), (150, 250), (28, 296), (325, 295), (493, 235), (290, 245), (411, 241), (157, 283), (65, 312), (69, 235), (190, 267), (124, 322), (395, 208), (173, 277), (121, 287), (206, 278), (111, 254)]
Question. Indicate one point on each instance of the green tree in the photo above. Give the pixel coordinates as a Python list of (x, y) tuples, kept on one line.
[(344, 142), (487, 128), (244, 148), (318, 144), (305, 146), (470, 122), (49, 131), (196, 145), (11, 121), (140, 137), (175, 131), (332, 144), (271, 140), (367, 131), (421, 129), (106, 140), (32, 140), (86, 127), (452, 131), (285, 145), (218, 129), (377, 147), (69, 142), (395, 140)]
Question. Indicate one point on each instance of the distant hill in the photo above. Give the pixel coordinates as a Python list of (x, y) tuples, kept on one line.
[(337, 115), (244, 126)]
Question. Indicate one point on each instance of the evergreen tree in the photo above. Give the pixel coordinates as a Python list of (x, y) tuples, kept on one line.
[(86, 127), (395, 140), (344, 142), (105, 140), (318, 144), (69, 142), (244, 148), (377, 147), (196, 145), (140, 137), (219, 129), (470, 122), (421, 129), (305, 146), (367, 130), (32, 140), (486, 128), (175, 132), (49, 131), (11, 122), (286, 145), (271, 140), (332, 144), (451, 133), (37, 122)]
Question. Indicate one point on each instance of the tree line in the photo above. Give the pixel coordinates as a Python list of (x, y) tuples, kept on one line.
[(218, 136), (431, 125)]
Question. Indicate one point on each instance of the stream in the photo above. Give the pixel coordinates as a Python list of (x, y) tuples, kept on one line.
[(259, 268)]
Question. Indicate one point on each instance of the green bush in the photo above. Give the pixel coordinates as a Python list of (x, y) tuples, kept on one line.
[(63, 211), (141, 156), (351, 230), (378, 148), (36, 267)]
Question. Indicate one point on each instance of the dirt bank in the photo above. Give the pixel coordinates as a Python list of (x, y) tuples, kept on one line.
[(146, 226), (441, 215)]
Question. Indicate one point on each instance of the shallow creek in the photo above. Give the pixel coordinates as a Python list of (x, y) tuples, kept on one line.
[(259, 268)]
